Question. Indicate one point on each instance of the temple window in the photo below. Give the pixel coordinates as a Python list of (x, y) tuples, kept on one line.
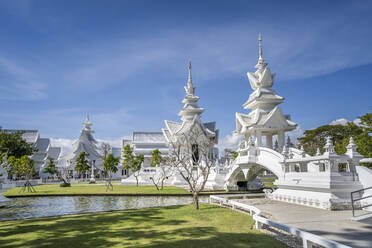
[(321, 167), (195, 153)]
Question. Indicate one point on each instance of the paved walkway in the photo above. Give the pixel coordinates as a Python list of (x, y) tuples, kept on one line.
[(334, 225)]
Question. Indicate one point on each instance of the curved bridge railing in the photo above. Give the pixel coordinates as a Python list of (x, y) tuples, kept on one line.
[(308, 239)]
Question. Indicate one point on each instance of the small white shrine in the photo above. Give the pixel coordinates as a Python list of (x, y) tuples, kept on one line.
[(190, 115)]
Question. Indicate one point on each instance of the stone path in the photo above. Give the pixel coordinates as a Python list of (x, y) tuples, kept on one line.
[(334, 225)]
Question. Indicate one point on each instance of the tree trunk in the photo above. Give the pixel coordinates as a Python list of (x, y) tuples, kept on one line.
[(136, 180), (156, 185), (196, 200), (162, 184)]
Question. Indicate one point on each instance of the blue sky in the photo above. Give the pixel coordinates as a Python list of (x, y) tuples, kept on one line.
[(125, 62)]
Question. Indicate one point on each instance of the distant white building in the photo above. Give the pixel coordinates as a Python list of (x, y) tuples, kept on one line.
[(145, 143), (86, 143), (44, 148)]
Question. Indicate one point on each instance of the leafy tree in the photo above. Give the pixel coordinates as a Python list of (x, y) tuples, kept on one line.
[(163, 171), (110, 166), (340, 135), (52, 170), (14, 145), (22, 167), (82, 164), (132, 162)]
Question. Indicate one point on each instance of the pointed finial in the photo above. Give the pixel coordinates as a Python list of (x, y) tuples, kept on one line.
[(260, 45), (261, 62), (87, 118), (318, 152), (190, 67), (351, 146)]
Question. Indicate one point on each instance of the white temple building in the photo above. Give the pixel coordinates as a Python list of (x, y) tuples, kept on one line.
[(44, 148), (145, 142), (88, 144), (322, 181), (266, 117)]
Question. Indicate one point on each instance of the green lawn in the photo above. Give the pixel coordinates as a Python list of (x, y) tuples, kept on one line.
[(177, 226), (268, 182), (94, 189)]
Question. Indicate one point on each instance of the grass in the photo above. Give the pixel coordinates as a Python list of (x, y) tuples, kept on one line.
[(94, 189), (81, 188), (176, 226), (268, 182)]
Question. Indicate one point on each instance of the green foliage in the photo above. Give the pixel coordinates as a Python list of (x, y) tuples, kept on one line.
[(65, 184), (110, 163), (82, 164), (234, 154), (23, 166), (156, 158), (51, 167), (316, 138), (14, 145), (132, 162)]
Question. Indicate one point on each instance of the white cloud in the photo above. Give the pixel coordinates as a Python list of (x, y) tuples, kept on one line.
[(343, 122), (65, 144), (229, 142)]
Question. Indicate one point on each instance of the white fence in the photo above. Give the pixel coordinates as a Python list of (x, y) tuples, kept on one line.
[(309, 240)]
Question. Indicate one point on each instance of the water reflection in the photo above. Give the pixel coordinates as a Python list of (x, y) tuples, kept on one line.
[(21, 208)]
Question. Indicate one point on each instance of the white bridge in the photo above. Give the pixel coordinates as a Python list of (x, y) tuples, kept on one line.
[(322, 181)]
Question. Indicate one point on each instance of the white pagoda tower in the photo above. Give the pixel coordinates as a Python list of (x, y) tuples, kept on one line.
[(266, 118), (190, 114), (86, 143)]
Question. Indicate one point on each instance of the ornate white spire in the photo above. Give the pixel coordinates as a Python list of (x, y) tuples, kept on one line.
[(87, 124), (191, 108), (261, 62), (259, 45), (190, 89)]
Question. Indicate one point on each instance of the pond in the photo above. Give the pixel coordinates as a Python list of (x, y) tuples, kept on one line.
[(30, 207)]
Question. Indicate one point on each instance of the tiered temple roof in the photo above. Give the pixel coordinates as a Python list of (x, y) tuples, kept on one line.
[(266, 117), (86, 143), (190, 115)]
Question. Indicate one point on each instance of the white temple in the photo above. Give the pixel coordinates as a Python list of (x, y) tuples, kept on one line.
[(322, 181), (44, 149), (266, 118), (190, 116), (145, 142), (85, 143)]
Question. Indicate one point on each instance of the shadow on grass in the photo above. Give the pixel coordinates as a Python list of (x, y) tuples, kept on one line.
[(157, 227)]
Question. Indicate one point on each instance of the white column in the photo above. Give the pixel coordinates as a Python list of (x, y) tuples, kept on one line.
[(281, 140), (258, 139), (269, 141)]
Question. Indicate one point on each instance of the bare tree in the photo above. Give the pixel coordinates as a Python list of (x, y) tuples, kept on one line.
[(163, 171), (192, 155)]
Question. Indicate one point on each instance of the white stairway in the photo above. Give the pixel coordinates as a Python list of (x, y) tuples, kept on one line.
[(365, 178)]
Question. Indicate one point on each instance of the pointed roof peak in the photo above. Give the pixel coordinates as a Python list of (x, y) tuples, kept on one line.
[(190, 67), (87, 124), (190, 89), (260, 45), (261, 62)]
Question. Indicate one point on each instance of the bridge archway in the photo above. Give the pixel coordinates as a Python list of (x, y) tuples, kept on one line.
[(265, 158)]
